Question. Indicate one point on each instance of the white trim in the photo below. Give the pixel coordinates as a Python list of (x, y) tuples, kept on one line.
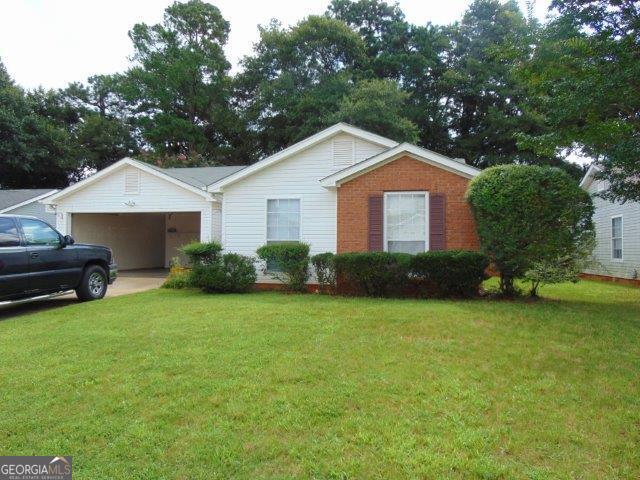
[(117, 166), (298, 147), (613, 259), (334, 180), (585, 183), (27, 202), (426, 215)]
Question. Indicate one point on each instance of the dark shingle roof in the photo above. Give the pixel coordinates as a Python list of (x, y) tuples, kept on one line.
[(9, 198)]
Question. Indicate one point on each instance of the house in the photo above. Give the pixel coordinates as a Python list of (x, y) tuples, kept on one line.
[(342, 189), (617, 251), (27, 202)]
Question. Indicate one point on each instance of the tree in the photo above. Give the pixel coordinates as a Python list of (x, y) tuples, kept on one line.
[(36, 148), (378, 106), (179, 87), (585, 77), (528, 215), (292, 85)]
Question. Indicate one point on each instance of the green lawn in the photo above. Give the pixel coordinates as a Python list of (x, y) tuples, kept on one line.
[(175, 384)]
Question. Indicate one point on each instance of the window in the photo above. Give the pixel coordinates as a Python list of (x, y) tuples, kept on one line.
[(616, 238), (39, 233), (283, 220), (132, 182), (8, 233), (283, 223), (405, 222)]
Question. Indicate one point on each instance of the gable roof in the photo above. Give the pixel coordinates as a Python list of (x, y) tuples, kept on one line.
[(192, 181), (300, 146), (453, 165), (12, 199), (587, 180)]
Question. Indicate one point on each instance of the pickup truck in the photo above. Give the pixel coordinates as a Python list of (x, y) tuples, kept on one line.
[(36, 261)]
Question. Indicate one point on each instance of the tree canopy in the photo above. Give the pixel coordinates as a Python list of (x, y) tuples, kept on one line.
[(495, 87)]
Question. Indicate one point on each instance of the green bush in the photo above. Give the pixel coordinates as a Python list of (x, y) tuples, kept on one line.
[(288, 263), (375, 274), (325, 267), (452, 273), (202, 253), (232, 273), (526, 215)]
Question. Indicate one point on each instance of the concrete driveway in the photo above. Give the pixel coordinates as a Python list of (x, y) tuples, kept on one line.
[(133, 281)]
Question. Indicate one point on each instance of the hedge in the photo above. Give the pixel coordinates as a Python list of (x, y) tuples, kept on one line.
[(288, 263), (232, 273), (374, 274), (451, 273), (202, 253)]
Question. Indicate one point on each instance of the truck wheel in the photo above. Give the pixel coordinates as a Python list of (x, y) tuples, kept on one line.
[(93, 285)]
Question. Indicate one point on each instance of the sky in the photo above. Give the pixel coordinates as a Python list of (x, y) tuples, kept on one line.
[(51, 43)]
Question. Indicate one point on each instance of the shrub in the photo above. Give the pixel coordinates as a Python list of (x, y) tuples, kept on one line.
[(202, 253), (288, 263), (375, 274), (177, 280), (325, 267), (452, 273), (232, 273), (528, 214)]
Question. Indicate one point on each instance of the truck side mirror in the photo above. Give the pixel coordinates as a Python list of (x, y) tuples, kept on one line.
[(68, 240)]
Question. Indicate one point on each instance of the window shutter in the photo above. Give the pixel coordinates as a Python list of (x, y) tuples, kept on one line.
[(437, 223), (131, 182), (375, 223), (343, 152)]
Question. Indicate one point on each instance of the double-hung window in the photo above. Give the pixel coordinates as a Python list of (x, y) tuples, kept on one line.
[(616, 238), (283, 223), (406, 222)]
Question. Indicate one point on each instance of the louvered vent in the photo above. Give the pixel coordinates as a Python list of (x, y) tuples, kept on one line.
[(343, 152), (132, 182)]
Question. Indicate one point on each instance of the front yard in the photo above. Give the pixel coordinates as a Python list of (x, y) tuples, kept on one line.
[(175, 384)]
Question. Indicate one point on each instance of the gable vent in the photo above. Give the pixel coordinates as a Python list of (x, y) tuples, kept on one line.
[(132, 182), (343, 152)]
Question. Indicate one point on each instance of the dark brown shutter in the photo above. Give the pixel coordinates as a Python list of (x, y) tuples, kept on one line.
[(437, 223), (375, 223)]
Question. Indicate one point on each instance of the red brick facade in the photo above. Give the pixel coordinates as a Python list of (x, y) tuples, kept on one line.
[(404, 174)]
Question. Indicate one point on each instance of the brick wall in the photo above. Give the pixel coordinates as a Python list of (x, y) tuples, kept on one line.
[(406, 174)]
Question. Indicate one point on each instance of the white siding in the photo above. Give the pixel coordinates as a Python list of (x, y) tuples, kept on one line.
[(107, 195), (604, 210), (35, 209), (244, 202)]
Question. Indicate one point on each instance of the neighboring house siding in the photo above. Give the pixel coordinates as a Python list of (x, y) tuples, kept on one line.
[(244, 202), (155, 195), (629, 267), (403, 174), (35, 209)]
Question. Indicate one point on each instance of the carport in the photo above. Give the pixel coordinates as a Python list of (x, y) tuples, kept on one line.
[(138, 240)]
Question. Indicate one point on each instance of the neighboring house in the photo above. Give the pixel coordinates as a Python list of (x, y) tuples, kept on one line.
[(27, 202), (343, 189), (617, 252)]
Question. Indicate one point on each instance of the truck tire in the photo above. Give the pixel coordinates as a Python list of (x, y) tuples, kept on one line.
[(93, 285)]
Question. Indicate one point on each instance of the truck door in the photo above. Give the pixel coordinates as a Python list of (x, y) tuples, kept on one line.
[(51, 266), (14, 263)]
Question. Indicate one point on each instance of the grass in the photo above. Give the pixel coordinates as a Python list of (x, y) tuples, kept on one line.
[(177, 384)]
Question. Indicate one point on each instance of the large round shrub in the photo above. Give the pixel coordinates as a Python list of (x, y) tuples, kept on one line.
[(528, 214)]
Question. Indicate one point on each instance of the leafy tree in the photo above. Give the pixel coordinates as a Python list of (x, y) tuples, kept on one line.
[(585, 78), (295, 80), (483, 97), (36, 149), (378, 106), (528, 215), (179, 87)]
